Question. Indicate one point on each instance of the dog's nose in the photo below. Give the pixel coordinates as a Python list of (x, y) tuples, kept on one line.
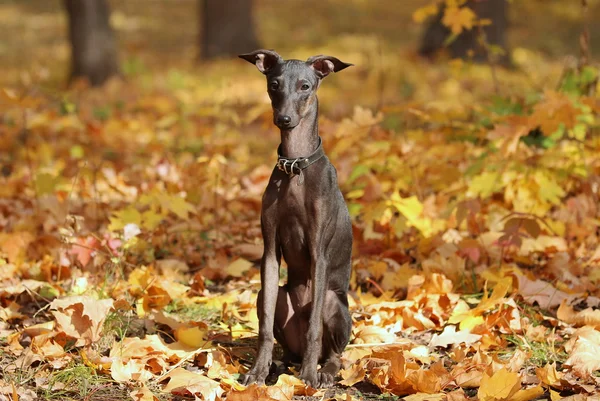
[(284, 120)]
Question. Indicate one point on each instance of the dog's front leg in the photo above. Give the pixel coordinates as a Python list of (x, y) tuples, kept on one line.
[(314, 336), (267, 299)]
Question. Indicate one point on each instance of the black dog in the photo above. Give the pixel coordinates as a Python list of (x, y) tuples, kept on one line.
[(305, 219)]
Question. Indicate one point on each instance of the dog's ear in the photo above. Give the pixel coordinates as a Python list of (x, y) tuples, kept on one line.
[(324, 65), (263, 59)]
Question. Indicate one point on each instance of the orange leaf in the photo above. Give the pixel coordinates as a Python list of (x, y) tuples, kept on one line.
[(459, 19)]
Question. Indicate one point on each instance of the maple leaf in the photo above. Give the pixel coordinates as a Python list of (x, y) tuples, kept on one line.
[(500, 386), (459, 19), (81, 317)]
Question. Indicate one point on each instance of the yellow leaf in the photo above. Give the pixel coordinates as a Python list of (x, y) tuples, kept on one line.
[(352, 375), (15, 245), (484, 185), (500, 386), (499, 292), (548, 374), (549, 191), (459, 19), (192, 336), (180, 207), (139, 279), (470, 322), (151, 219), (238, 267), (529, 394), (412, 209), (357, 193), (425, 397), (123, 217)]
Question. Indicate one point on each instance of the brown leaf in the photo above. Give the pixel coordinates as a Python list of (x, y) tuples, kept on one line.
[(540, 292), (81, 317), (587, 317)]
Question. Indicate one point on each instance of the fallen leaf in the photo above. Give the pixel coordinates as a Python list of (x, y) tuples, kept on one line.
[(540, 292), (502, 385), (586, 317), (584, 348), (451, 336), (81, 317), (184, 382)]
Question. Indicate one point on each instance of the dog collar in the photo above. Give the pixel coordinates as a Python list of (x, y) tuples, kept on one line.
[(295, 166)]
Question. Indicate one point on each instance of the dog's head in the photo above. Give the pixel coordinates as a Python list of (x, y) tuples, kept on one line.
[(292, 84)]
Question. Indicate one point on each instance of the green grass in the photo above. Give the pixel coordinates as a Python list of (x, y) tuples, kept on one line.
[(541, 353), (79, 382), (194, 313)]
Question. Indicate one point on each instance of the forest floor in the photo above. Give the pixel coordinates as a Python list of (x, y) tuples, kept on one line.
[(130, 228)]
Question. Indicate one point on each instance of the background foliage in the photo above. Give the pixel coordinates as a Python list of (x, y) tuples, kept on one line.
[(130, 213)]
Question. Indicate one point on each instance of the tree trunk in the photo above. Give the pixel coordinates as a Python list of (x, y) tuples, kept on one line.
[(226, 28), (93, 45), (467, 43)]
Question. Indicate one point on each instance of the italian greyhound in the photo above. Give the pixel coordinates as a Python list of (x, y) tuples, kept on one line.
[(305, 219)]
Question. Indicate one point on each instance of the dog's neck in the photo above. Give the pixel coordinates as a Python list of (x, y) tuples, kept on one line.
[(303, 139)]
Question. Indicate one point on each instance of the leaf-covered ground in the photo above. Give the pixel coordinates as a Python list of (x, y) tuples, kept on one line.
[(130, 235)]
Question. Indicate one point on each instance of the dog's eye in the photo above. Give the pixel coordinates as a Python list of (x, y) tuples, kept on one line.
[(274, 85), (305, 87)]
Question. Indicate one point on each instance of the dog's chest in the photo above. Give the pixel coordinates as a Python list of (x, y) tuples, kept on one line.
[(293, 219)]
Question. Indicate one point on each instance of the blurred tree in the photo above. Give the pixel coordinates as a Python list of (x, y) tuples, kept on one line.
[(469, 42), (226, 28), (93, 45)]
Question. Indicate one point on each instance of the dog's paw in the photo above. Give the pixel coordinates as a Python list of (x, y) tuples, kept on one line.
[(257, 375), (310, 378), (326, 379)]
